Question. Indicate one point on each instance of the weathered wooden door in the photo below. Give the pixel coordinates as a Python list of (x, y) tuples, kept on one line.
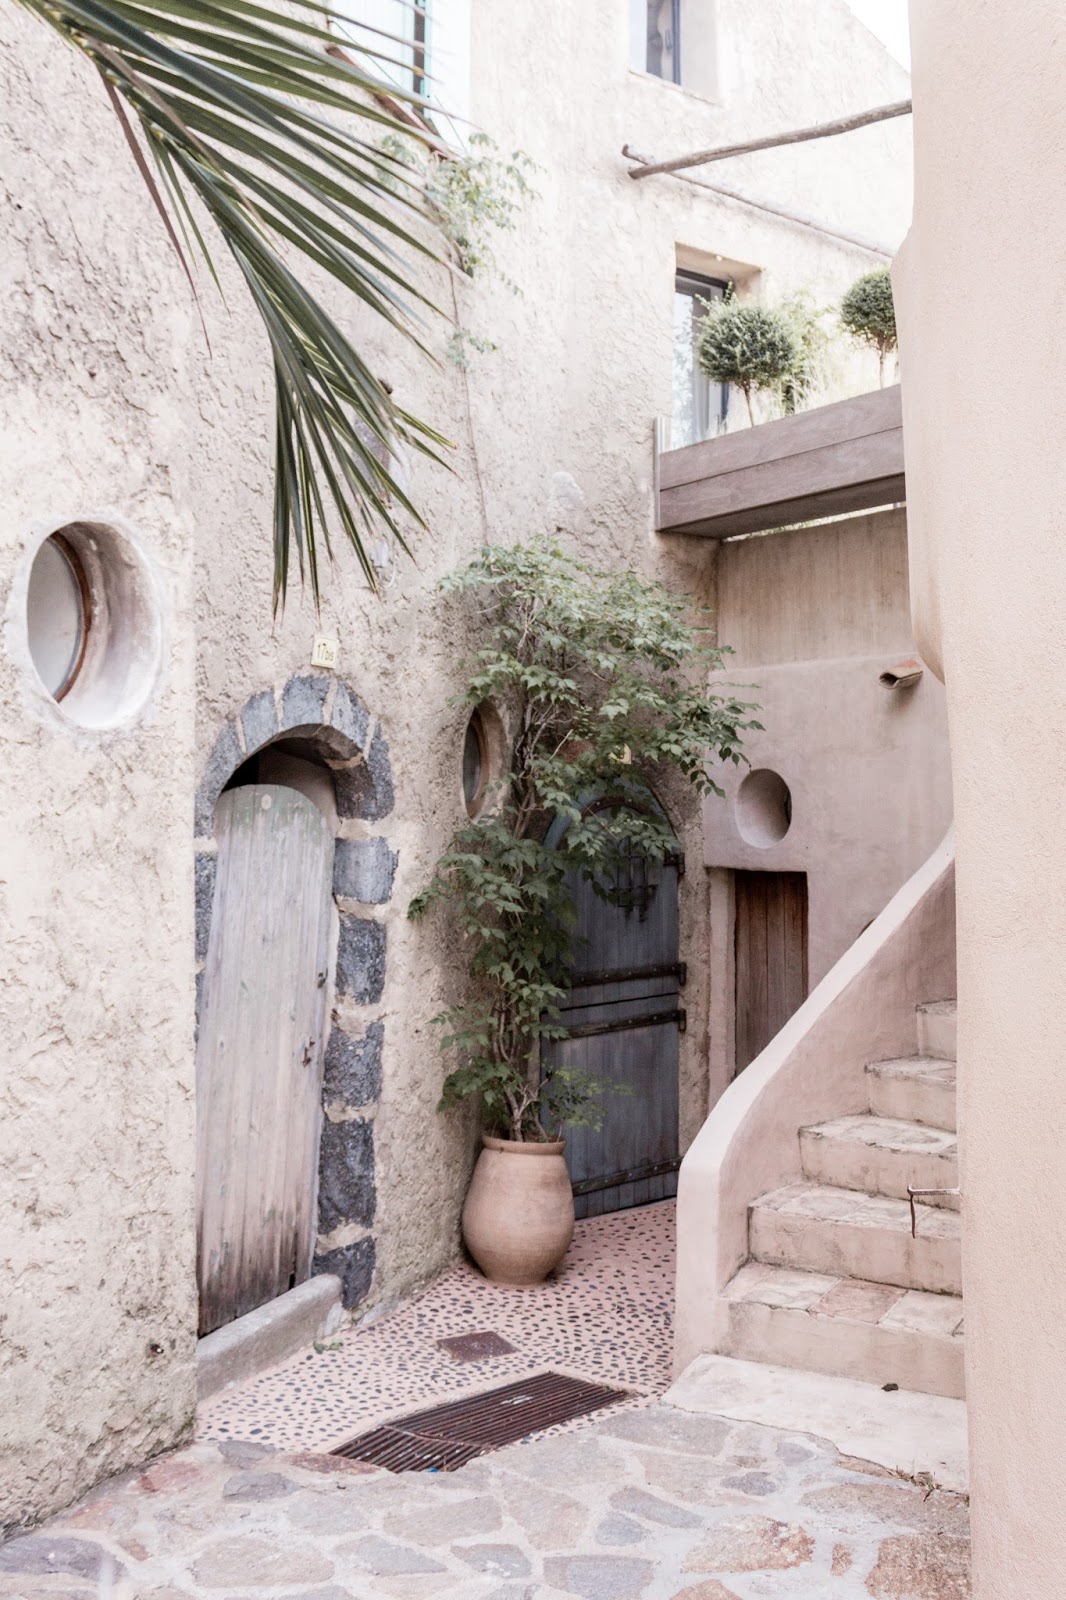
[(259, 1053), (624, 1017), (771, 956)]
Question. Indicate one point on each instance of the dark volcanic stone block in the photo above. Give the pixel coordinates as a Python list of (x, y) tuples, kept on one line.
[(302, 701), (363, 869), (346, 1175), (360, 959), (205, 894), (353, 1067), (353, 1265), (349, 716), (226, 756)]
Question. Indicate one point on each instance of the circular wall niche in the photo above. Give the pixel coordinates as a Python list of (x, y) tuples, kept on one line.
[(763, 808), (94, 625), (484, 751)]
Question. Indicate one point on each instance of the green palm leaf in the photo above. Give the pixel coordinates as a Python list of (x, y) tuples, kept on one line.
[(260, 117)]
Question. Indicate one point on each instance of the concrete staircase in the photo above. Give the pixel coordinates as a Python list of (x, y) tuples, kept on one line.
[(835, 1283)]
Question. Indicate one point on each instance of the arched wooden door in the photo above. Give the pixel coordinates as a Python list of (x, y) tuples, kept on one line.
[(625, 1018), (260, 1050)]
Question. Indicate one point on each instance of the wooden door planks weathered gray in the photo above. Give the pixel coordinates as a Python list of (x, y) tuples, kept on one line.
[(625, 1017), (259, 1053)]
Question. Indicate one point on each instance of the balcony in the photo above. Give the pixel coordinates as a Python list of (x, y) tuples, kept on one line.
[(827, 462)]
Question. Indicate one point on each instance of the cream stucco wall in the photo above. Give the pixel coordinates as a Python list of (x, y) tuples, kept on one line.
[(814, 615), (112, 400), (987, 488), (96, 1320)]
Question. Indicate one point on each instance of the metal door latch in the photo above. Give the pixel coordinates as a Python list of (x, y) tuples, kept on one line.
[(914, 1194)]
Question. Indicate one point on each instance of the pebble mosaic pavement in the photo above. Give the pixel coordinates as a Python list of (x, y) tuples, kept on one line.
[(644, 1502), (605, 1317)]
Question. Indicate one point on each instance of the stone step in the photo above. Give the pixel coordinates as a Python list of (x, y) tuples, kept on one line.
[(914, 1089), (881, 1155), (847, 1327), (814, 1228), (936, 1029)]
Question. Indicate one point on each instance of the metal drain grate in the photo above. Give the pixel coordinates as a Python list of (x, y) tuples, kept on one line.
[(447, 1437)]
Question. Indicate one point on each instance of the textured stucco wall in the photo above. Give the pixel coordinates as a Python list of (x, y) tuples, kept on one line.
[(814, 616), (111, 399), (987, 486), (96, 1127)]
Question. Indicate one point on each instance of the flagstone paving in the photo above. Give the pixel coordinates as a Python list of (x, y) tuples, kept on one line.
[(641, 1502), (648, 1503)]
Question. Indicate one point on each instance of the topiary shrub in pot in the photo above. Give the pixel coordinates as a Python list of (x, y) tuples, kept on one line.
[(868, 313), (752, 346), (602, 681)]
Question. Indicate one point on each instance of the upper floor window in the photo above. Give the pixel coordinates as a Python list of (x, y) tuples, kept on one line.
[(397, 29), (700, 407), (660, 23), (675, 40)]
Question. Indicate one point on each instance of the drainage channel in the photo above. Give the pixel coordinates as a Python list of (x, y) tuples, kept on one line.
[(447, 1437)]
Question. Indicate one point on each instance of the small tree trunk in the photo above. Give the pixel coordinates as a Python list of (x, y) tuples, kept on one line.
[(747, 401), (881, 354)]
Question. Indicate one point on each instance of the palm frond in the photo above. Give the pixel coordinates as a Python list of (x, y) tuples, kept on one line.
[(276, 132)]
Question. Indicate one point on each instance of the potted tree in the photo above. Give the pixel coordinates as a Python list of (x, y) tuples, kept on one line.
[(752, 346), (868, 313), (601, 681)]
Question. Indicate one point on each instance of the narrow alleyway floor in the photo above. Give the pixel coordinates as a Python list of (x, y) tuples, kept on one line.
[(606, 1317), (640, 1502)]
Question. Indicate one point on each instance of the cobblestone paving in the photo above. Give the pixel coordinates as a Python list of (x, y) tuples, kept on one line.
[(646, 1503)]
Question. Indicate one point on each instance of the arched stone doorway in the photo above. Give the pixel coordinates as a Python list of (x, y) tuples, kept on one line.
[(309, 751)]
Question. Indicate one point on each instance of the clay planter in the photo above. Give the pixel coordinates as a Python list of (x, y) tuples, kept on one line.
[(518, 1219)]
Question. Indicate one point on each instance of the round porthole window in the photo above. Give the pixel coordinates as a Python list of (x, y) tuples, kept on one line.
[(475, 763), (58, 615), (93, 623)]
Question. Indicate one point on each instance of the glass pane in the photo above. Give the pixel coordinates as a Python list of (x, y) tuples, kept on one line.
[(699, 406), (396, 28), (472, 763), (663, 58), (55, 616)]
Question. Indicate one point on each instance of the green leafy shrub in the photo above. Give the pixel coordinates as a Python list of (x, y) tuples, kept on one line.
[(472, 196), (868, 313), (747, 344), (812, 367), (599, 676)]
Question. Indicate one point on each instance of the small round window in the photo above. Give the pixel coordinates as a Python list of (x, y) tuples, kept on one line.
[(93, 623), (57, 615), (475, 763)]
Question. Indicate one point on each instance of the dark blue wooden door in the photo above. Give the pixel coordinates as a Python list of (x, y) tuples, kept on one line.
[(624, 1017)]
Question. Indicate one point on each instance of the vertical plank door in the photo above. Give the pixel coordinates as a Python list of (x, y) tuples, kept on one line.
[(771, 956), (624, 1017), (259, 1053)]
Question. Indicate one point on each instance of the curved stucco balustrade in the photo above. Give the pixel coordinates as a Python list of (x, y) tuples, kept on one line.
[(811, 1071)]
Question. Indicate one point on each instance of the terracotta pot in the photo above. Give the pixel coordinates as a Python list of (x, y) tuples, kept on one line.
[(518, 1219)]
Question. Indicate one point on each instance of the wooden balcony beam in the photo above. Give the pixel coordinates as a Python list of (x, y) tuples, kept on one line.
[(833, 460)]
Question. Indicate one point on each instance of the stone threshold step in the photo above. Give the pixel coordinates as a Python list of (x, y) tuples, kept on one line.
[(844, 1233), (914, 1089), (902, 1431), (881, 1155), (937, 1034), (872, 1332)]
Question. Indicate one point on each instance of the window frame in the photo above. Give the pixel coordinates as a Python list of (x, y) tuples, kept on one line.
[(476, 725), (689, 282), (84, 593)]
